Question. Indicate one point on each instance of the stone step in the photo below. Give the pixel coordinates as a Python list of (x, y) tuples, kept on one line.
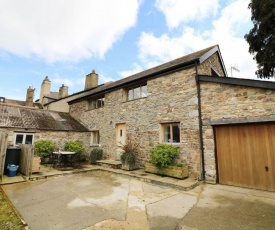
[(109, 164)]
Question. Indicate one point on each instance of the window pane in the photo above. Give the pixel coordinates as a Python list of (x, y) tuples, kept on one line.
[(130, 95), (95, 138), (103, 102), (144, 91), (19, 139), (28, 139), (93, 104), (98, 101), (176, 133), (137, 93), (167, 134)]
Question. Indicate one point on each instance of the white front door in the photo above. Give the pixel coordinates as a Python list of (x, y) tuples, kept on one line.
[(120, 139)]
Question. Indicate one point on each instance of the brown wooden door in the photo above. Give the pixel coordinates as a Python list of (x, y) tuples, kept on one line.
[(246, 155)]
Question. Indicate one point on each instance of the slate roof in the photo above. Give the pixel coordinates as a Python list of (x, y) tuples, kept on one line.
[(181, 62), (22, 117)]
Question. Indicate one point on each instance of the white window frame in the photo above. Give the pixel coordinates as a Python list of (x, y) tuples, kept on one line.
[(162, 133), (95, 138), (24, 138)]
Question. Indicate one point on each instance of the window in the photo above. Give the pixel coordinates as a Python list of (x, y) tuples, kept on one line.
[(171, 133), (95, 138), (23, 138), (96, 103), (137, 92)]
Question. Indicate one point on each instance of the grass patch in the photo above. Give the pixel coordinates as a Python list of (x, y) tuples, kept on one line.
[(8, 217)]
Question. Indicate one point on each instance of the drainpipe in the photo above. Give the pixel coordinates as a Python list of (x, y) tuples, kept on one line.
[(200, 124)]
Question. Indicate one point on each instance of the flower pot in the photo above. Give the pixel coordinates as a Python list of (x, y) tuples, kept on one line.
[(45, 160), (180, 172), (128, 167)]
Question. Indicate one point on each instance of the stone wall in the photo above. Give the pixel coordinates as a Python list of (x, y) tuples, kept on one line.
[(212, 62), (60, 138), (171, 98), (223, 103)]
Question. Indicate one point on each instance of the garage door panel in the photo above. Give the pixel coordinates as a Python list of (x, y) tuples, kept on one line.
[(243, 153)]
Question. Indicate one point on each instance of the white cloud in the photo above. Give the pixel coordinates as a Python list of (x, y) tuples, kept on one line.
[(64, 30), (178, 11), (59, 80), (136, 68), (227, 30)]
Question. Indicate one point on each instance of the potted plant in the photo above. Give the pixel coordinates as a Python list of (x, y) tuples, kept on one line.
[(96, 154), (44, 149), (128, 156), (163, 161)]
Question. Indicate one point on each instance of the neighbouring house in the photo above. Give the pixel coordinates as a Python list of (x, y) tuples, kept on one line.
[(27, 103), (58, 101), (223, 126)]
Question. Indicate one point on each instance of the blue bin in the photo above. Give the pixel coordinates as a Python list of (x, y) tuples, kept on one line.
[(12, 170)]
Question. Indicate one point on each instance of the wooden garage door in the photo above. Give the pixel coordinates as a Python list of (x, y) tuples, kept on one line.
[(246, 155)]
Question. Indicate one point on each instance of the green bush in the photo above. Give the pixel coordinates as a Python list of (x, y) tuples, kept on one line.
[(164, 155), (74, 146), (44, 148), (96, 154)]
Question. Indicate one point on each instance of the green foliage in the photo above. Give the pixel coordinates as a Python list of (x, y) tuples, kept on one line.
[(96, 154), (130, 149), (261, 38), (44, 148), (128, 158), (74, 146), (164, 155)]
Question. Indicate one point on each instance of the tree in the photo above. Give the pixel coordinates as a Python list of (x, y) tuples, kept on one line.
[(261, 38)]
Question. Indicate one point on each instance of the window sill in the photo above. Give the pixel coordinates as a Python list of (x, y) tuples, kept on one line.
[(95, 145), (135, 99), (174, 144)]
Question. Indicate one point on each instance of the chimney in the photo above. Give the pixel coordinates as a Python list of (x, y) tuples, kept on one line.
[(45, 88), (63, 91), (30, 96), (91, 80)]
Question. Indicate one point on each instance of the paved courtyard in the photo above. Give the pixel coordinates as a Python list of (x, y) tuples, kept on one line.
[(103, 200)]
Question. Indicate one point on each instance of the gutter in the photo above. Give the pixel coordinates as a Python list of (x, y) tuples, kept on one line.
[(202, 177)]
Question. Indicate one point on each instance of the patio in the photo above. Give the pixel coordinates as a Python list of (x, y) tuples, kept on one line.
[(46, 171), (103, 199)]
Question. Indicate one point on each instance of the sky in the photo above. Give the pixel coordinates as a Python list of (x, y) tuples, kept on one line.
[(66, 39)]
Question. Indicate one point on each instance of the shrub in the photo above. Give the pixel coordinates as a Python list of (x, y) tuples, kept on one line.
[(74, 146), (44, 148), (96, 154), (164, 155)]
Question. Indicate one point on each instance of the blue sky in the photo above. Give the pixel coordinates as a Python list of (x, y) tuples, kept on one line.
[(66, 39)]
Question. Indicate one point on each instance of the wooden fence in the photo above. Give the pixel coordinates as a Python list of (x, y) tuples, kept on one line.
[(3, 149), (26, 159)]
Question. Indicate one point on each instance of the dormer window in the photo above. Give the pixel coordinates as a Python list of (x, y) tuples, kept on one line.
[(96, 103), (136, 92)]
